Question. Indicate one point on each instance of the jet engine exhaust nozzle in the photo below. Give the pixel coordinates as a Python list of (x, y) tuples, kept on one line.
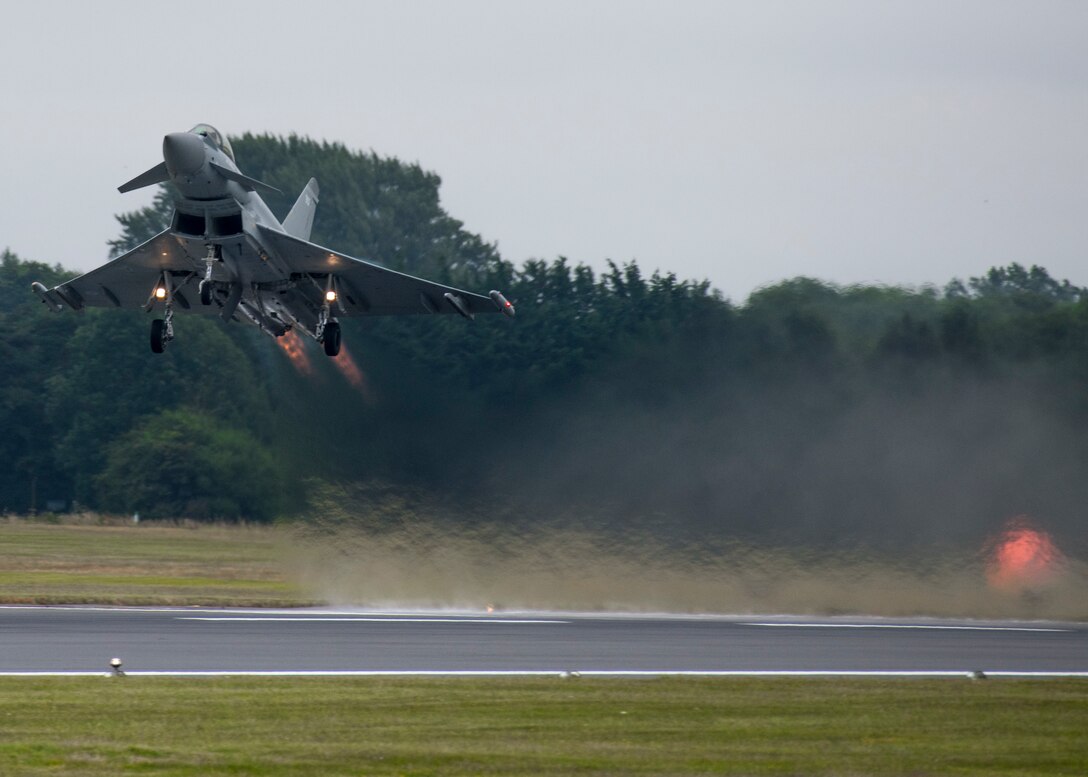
[(183, 153)]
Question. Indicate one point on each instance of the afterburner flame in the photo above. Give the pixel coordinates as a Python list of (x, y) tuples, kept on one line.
[(351, 372), (1022, 557), (295, 349)]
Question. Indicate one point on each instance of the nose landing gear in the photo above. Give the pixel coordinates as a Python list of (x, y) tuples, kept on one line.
[(215, 254)]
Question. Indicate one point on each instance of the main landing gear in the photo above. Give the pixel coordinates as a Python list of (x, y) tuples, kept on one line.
[(162, 329), (331, 339), (328, 332), (328, 328), (158, 336)]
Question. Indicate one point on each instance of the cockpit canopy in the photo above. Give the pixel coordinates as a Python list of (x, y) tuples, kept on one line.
[(218, 140)]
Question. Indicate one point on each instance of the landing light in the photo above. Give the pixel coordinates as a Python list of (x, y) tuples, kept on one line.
[(160, 293), (330, 295)]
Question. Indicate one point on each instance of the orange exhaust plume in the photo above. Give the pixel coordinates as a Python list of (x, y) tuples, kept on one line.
[(352, 374), (1022, 557), (293, 346)]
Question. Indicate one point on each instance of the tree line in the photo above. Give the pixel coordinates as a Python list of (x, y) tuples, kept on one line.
[(619, 400)]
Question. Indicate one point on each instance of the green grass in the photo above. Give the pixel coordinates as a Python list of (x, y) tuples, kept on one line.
[(81, 564), (91, 726), (321, 726)]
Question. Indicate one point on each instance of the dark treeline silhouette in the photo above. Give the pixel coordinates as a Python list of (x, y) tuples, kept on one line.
[(810, 413)]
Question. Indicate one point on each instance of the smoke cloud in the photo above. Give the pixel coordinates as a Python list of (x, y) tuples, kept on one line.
[(427, 567), (400, 555), (937, 461)]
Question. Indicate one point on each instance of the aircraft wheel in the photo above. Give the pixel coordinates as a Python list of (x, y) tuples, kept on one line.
[(331, 340), (158, 335), (205, 294)]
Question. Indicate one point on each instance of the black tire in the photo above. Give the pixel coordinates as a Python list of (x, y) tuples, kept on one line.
[(158, 335), (206, 293), (331, 339)]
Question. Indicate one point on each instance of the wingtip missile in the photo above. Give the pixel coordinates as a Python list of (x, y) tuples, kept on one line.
[(502, 303)]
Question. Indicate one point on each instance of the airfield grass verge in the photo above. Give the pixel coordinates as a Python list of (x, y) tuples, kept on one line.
[(153, 565), (509, 726)]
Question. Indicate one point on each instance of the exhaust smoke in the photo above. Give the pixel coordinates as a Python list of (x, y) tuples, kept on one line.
[(404, 555), (352, 374)]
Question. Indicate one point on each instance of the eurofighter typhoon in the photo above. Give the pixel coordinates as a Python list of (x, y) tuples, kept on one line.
[(225, 253)]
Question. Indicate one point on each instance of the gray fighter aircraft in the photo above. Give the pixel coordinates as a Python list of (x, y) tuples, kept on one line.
[(225, 253)]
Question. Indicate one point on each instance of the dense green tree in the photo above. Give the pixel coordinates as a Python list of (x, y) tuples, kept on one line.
[(909, 339), (182, 463), (113, 380), (31, 347), (809, 412), (1023, 285)]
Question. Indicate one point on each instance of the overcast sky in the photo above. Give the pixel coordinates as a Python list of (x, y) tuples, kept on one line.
[(895, 142)]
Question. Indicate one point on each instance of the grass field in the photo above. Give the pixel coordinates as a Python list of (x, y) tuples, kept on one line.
[(320, 726), (88, 564), (355, 726)]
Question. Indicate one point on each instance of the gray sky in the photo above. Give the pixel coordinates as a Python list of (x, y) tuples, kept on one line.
[(895, 142)]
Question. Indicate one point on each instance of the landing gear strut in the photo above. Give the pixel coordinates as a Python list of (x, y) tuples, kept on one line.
[(215, 254), (328, 328), (162, 329)]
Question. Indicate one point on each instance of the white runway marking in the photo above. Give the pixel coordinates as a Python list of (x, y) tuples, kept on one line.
[(619, 673), (935, 627), (370, 619)]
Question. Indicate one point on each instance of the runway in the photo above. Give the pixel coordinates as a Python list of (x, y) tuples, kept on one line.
[(323, 641)]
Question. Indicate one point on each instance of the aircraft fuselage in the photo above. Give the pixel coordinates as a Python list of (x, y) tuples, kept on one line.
[(226, 244)]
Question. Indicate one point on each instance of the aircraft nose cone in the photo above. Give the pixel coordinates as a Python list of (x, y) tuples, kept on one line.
[(183, 152)]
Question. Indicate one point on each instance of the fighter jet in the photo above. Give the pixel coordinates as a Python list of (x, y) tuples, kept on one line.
[(225, 253)]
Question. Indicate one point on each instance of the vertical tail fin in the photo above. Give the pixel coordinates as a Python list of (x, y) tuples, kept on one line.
[(300, 220)]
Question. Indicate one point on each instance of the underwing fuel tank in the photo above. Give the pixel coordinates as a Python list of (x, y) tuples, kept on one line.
[(48, 297)]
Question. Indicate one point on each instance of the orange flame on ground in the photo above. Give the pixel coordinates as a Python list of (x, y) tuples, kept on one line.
[(1022, 557), (295, 349), (352, 374)]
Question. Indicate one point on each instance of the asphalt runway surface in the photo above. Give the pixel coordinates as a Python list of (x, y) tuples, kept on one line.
[(191, 640)]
